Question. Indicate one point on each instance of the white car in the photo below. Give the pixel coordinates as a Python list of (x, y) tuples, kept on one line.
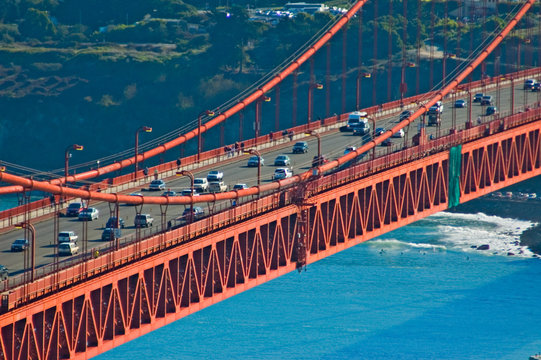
[(67, 236), (282, 173), (156, 185), (217, 187), (68, 248), (200, 185), (399, 134), (240, 186), (215, 175), (89, 214), (188, 192)]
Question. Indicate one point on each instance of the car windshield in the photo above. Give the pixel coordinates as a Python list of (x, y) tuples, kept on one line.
[(20, 241), (278, 171), (74, 206), (214, 172), (281, 157), (156, 182), (253, 158), (300, 144), (64, 246), (198, 181)]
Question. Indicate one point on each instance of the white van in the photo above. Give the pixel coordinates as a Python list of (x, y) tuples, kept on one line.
[(357, 120)]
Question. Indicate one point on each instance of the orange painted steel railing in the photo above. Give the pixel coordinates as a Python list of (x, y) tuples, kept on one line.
[(153, 288), (225, 216)]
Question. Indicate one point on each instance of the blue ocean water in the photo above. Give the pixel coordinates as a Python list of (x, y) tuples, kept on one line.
[(420, 292)]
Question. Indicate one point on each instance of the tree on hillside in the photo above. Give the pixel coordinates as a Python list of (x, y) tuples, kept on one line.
[(37, 25)]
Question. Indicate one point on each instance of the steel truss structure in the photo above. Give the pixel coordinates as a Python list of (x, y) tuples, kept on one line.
[(105, 311)]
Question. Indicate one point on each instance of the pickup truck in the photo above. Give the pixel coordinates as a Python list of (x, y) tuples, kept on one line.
[(217, 186)]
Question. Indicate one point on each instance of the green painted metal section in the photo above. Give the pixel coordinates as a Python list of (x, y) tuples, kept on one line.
[(455, 161)]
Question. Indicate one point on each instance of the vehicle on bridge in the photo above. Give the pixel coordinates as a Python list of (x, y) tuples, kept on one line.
[(405, 114), (300, 147), (111, 223), (201, 185), (282, 160), (19, 245), (491, 110), (143, 220), (110, 234), (386, 142), (461, 103), (217, 187), (68, 249), (215, 175), (4, 272), (399, 134), (282, 173), (157, 185), (89, 214), (240, 186), (193, 214), (169, 193), (189, 192), (487, 100), (358, 120), (529, 84), (477, 97), (434, 119), (74, 209), (349, 149), (436, 108), (319, 160), (536, 87), (67, 236), (254, 161)]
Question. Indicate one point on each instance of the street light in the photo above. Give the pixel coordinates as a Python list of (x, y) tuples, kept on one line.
[(316, 134), (145, 129), (67, 157), (255, 152), (190, 175), (312, 86), (207, 113), (27, 225), (258, 113)]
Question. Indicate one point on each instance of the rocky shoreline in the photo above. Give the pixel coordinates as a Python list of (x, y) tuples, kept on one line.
[(524, 210)]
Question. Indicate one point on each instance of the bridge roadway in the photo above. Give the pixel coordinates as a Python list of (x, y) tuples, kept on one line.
[(235, 171)]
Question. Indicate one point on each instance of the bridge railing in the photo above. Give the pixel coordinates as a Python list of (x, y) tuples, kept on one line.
[(177, 233), (44, 207)]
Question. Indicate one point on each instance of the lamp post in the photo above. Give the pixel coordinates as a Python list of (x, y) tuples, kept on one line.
[(145, 129), (314, 133), (67, 158), (258, 113), (312, 87), (190, 175), (207, 113), (256, 153), (27, 225), (373, 135)]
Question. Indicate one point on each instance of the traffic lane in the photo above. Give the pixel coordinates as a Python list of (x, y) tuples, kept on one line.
[(333, 146)]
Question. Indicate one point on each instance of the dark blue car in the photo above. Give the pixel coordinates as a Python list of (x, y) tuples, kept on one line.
[(111, 223)]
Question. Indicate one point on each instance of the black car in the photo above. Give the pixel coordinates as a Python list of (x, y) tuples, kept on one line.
[(319, 160), (111, 223), (4, 272), (110, 234), (536, 87)]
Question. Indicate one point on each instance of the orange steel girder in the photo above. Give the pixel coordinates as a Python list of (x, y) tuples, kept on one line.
[(103, 312)]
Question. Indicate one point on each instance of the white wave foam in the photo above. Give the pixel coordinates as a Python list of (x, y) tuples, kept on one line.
[(502, 235), (395, 243)]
